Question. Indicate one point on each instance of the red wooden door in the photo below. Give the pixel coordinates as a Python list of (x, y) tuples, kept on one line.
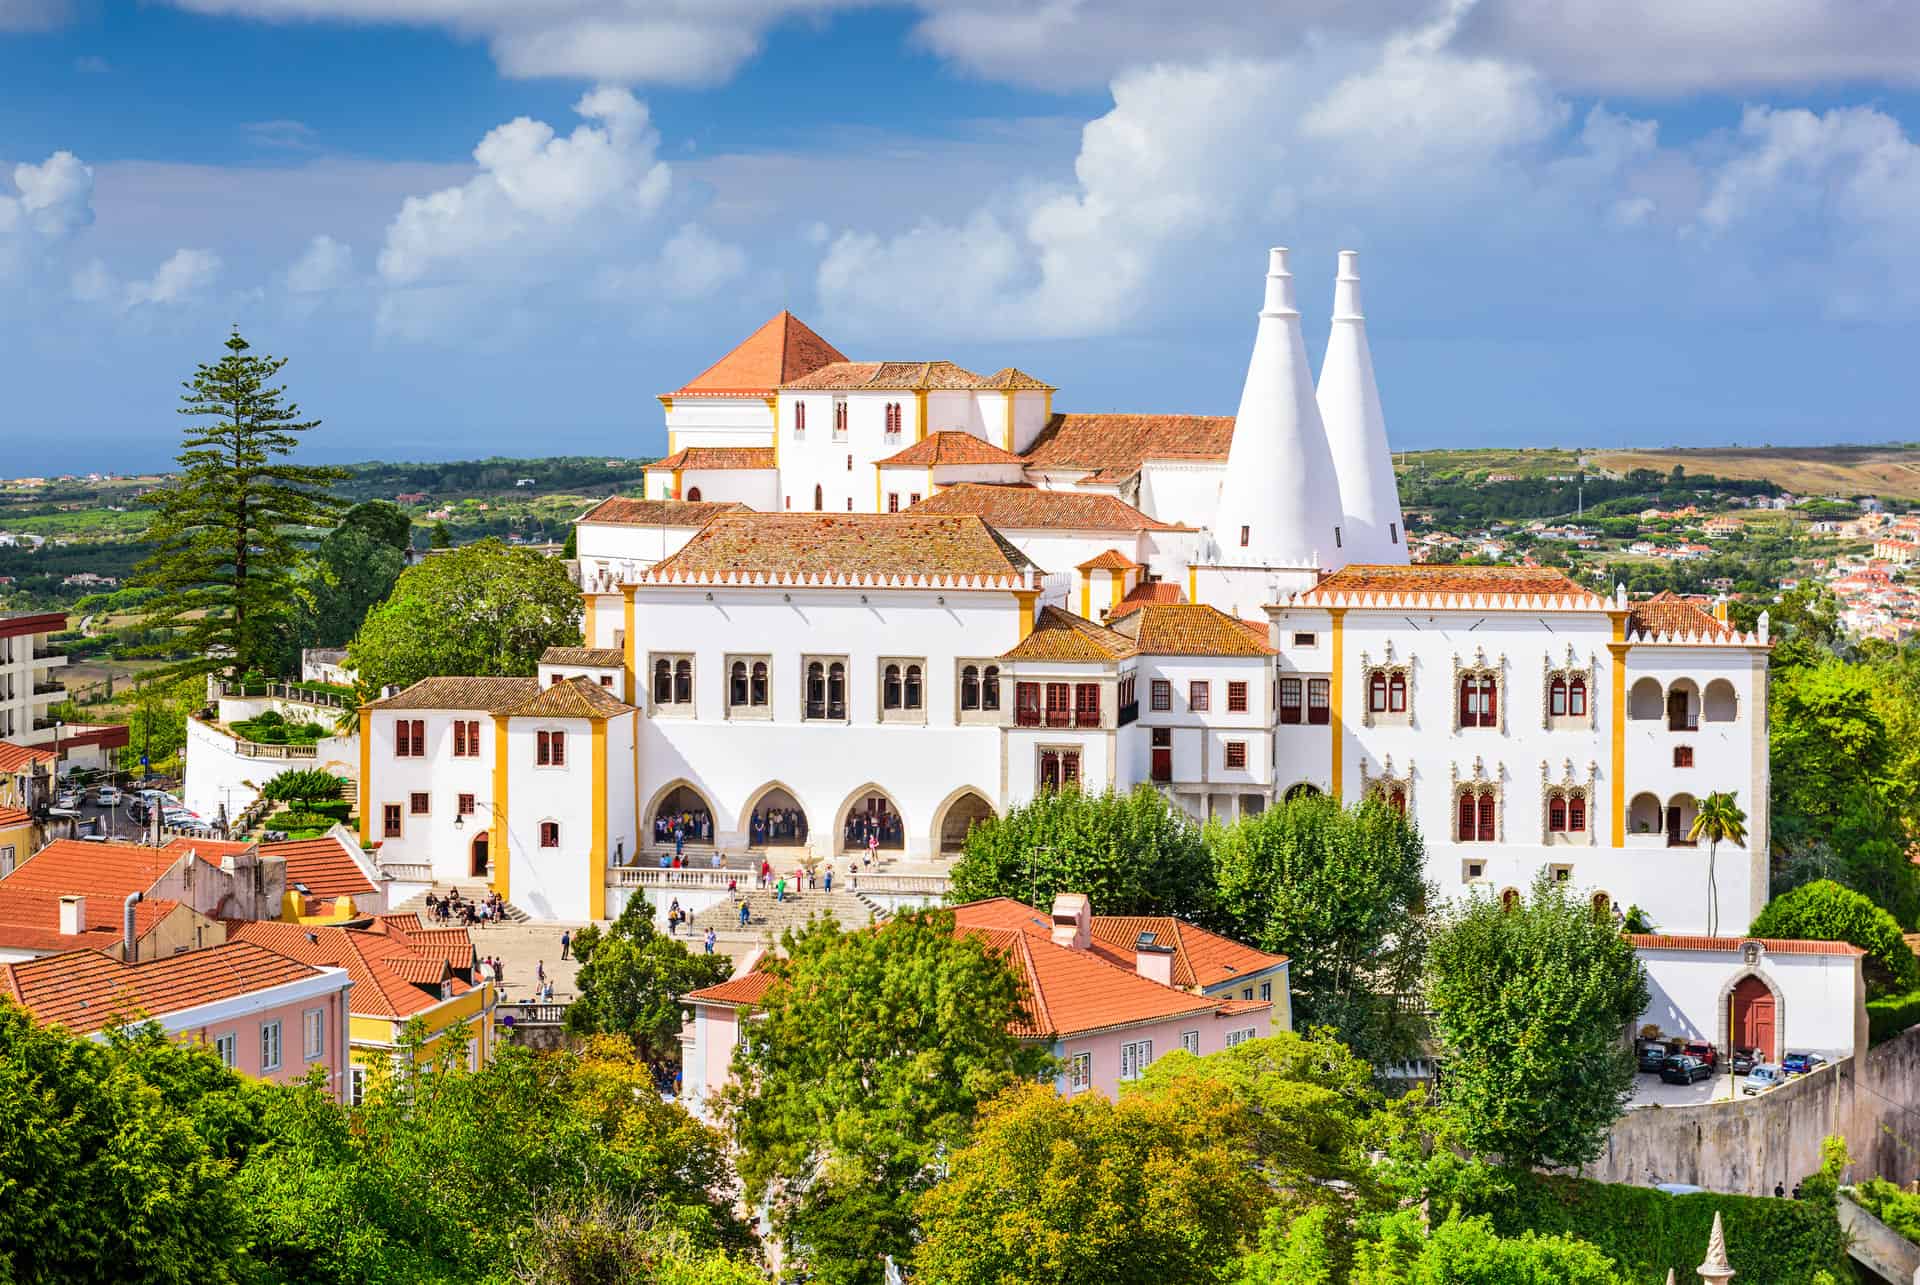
[(1753, 1017)]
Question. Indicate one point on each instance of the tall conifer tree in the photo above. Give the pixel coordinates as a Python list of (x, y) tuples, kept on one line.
[(230, 524)]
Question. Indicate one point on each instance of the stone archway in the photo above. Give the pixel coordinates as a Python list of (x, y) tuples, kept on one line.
[(1748, 999), (870, 818), (965, 808), (1300, 790), (680, 803), (479, 867), (773, 818)]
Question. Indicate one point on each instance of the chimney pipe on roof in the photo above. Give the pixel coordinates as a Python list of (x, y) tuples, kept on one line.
[(73, 915), (1072, 921), (1153, 962), (131, 952)]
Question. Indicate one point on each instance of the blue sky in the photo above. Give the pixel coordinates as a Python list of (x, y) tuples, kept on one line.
[(495, 227)]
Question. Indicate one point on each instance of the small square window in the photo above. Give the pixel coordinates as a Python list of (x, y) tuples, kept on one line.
[(549, 834), (1190, 1041), (1306, 640), (1683, 756), (1161, 697), (390, 820), (1079, 1072), (1236, 754), (417, 804), (1237, 698), (1560, 873), (1472, 871), (466, 805), (1197, 697)]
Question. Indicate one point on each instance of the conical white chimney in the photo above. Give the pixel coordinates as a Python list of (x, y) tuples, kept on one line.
[(1373, 528), (1279, 503)]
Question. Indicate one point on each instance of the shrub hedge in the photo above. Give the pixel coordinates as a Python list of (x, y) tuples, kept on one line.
[(1891, 1014), (1769, 1241)]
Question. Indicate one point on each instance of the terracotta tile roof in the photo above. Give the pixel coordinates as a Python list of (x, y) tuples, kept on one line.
[(1442, 578), (750, 988), (30, 920), (835, 546), (84, 990), (12, 817), (1113, 446), (210, 851), (907, 376), (1061, 635), (1010, 379), (1110, 560), (382, 967), (578, 697), (1189, 629), (715, 457), (626, 510), (1775, 945), (1147, 593), (94, 869), (949, 446), (1017, 508), (324, 865), (454, 945), (1669, 613), (783, 349), (594, 657), (490, 695), (18, 758), (1200, 958)]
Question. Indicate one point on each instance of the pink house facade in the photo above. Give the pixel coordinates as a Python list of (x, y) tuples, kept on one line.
[(266, 1015), (1108, 995)]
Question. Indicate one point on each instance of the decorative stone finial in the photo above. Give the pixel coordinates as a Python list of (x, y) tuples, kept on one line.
[(1715, 1271)]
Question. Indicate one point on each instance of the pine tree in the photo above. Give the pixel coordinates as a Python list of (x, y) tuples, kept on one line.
[(228, 531)]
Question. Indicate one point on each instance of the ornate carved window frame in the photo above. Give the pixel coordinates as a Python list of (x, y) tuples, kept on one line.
[(1481, 666), (1567, 787), (1386, 779), (1387, 667), (1477, 781), (1570, 670)]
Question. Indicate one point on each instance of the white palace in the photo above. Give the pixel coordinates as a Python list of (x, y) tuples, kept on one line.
[(867, 603)]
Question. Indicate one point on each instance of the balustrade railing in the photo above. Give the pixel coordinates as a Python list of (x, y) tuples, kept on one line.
[(544, 1014)]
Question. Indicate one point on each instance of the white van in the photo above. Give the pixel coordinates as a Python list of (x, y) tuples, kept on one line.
[(1763, 1077)]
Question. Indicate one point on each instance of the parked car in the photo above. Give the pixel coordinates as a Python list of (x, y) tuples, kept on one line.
[(1702, 1051), (1763, 1077), (68, 800), (1801, 1063), (107, 796), (1683, 1069), (1744, 1060), (1653, 1057)]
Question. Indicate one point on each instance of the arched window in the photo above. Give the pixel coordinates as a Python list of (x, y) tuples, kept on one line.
[(1485, 834), (913, 687), (970, 687), (836, 690), (990, 688), (816, 690), (683, 681), (1397, 693), (1377, 693), (1557, 813), (799, 417), (819, 499), (693, 494), (1577, 814), (1557, 701), (1510, 899), (737, 683), (1465, 822), (1602, 905), (758, 691), (662, 682), (890, 688), (1577, 698), (1479, 701), (549, 834), (839, 417)]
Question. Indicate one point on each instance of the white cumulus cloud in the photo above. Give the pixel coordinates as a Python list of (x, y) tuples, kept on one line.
[(55, 200), (324, 265)]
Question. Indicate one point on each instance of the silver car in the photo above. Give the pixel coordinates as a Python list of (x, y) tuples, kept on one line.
[(1765, 1076)]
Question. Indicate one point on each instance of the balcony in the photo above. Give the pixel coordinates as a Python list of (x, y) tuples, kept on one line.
[(1087, 718), (49, 689), (1052, 718), (1129, 712)]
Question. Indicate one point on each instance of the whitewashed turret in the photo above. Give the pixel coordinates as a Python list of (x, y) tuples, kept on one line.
[(1349, 399), (1279, 504)]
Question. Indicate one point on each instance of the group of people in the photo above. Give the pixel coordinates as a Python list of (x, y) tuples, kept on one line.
[(802, 880), (778, 825), (874, 830), (677, 916), (678, 861), (455, 908), (682, 828)]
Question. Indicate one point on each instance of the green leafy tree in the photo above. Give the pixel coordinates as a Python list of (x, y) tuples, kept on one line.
[(1083, 1191), (483, 609), (1133, 854), (303, 785), (1340, 891), (871, 1055), (631, 979), (571, 547), (1529, 1001), (1826, 911), (1719, 820), (1313, 1249), (227, 528), (441, 538), (157, 722), (352, 569)]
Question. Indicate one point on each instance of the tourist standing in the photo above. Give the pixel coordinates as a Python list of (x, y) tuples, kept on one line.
[(566, 942), (709, 941)]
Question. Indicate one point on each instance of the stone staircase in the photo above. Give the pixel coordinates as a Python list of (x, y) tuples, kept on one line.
[(765, 915), (417, 904)]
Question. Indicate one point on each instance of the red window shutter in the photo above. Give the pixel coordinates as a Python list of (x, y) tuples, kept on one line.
[(473, 737), (559, 749), (1377, 693), (543, 749), (1397, 694), (1469, 713), (1557, 814), (1466, 818), (1577, 814), (1490, 703), (1486, 817), (1577, 698), (1557, 700)]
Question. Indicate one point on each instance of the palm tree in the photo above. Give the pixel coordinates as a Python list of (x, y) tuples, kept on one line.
[(1718, 819)]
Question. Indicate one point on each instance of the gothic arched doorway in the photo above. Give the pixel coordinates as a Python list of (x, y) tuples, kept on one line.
[(479, 867), (1754, 1018)]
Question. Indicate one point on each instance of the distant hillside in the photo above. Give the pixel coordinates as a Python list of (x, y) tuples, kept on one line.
[(1891, 470)]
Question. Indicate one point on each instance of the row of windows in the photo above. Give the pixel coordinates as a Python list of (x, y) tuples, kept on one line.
[(410, 741), (1479, 697), (894, 417), (1317, 705), (1199, 696), (421, 804), (314, 1041), (824, 691), (1056, 704)]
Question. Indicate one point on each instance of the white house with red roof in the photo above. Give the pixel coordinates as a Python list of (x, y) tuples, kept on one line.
[(1774, 996), (1106, 995)]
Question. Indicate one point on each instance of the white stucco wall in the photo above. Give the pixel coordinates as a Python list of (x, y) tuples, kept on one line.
[(218, 773), (1817, 1005)]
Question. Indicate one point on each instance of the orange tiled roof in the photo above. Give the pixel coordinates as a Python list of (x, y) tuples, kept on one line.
[(1061, 635), (490, 695), (594, 657), (12, 817), (785, 348), (1109, 560), (1113, 446), (906, 376), (1189, 629), (210, 850), (1669, 613), (577, 697), (95, 869), (382, 967), (1200, 958), (30, 920), (715, 457), (1012, 379), (750, 988), (18, 758), (1361, 578), (838, 545), (949, 446), (323, 865), (1147, 593), (1028, 507), (84, 990), (1776, 945), (627, 510)]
